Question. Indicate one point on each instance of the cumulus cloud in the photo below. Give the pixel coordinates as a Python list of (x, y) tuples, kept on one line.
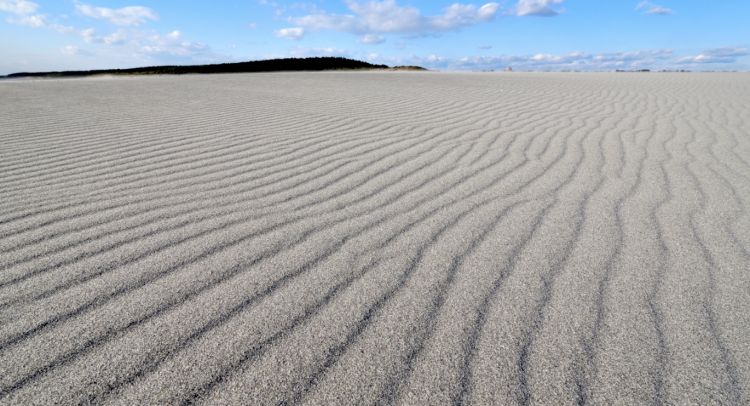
[(386, 16), (88, 34), (125, 16), (72, 50), (24, 12), (650, 8), (371, 39), (148, 43), (294, 33), (716, 55), (39, 21), (171, 44), (542, 8), (116, 38), (299, 52), (34, 20), (19, 7), (543, 61)]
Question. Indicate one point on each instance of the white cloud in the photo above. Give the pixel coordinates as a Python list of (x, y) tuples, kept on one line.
[(717, 55), (35, 20), (371, 39), (116, 38), (24, 13), (649, 8), (69, 50), (580, 61), (88, 35), (325, 51), (171, 44), (72, 50), (125, 16), (19, 7), (386, 16), (40, 21), (294, 33), (461, 15), (433, 58), (543, 8), (148, 43)]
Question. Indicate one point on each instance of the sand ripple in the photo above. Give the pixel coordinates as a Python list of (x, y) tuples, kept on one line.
[(359, 238)]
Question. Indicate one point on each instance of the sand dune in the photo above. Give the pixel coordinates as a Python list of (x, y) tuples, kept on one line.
[(381, 237)]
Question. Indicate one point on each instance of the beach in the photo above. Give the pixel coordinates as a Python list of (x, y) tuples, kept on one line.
[(376, 238)]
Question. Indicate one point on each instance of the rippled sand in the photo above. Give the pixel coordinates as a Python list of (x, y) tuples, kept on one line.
[(355, 238)]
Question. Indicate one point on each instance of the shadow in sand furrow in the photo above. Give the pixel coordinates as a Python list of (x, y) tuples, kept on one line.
[(222, 174), (595, 345), (121, 262), (461, 395), (427, 326), (372, 311), (214, 323), (193, 218), (294, 209), (190, 238), (72, 157), (480, 204), (556, 256), (462, 389), (145, 119), (739, 211), (615, 131), (359, 129), (109, 165), (654, 292), (172, 201), (240, 168), (733, 387), (124, 176), (549, 279), (283, 161), (140, 165), (700, 321), (320, 187)]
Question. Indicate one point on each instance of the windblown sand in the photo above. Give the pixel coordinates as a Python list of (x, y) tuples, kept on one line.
[(357, 238)]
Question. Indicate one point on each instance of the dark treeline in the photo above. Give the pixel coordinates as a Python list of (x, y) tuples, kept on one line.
[(270, 65)]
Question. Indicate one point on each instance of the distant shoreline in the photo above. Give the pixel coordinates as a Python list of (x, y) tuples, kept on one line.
[(269, 65)]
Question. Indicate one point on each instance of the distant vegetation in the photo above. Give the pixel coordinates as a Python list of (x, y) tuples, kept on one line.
[(270, 65), (408, 67)]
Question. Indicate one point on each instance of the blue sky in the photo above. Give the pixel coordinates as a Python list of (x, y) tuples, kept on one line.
[(525, 34)]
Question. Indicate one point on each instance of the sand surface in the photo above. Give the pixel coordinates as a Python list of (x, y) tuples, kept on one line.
[(358, 238)]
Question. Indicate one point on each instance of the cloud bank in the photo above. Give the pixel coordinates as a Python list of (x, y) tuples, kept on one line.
[(125, 16), (657, 59), (373, 18), (19, 7), (649, 8), (541, 8)]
